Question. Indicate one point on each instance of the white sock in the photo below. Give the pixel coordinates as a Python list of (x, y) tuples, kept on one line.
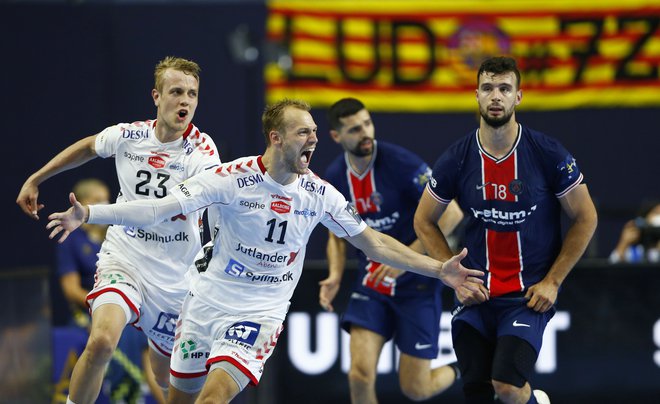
[(68, 401), (165, 391)]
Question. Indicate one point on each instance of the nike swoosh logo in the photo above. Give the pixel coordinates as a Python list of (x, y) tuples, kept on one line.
[(517, 324), (359, 296), (419, 346), (479, 187)]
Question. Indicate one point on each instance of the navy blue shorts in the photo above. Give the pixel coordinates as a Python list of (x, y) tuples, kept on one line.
[(413, 322), (501, 316)]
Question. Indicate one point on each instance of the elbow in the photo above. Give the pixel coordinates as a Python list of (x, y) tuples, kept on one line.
[(420, 224), (591, 217)]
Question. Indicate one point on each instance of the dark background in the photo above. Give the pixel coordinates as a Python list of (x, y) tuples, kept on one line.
[(69, 70)]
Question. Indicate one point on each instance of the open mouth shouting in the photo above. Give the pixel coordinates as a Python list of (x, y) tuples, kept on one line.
[(306, 156), (181, 115)]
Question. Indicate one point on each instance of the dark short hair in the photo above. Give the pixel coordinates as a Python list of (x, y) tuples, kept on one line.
[(343, 108), (499, 65)]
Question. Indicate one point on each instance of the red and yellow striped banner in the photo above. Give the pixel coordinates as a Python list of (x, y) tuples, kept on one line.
[(421, 55)]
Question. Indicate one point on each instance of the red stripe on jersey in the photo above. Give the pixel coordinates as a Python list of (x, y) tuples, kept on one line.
[(503, 255), (362, 188), (497, 175), (188, 130), (503, 262)]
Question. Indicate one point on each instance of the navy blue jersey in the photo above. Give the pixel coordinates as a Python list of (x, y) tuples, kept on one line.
[(78, 254), (511, 205), (386, 196)]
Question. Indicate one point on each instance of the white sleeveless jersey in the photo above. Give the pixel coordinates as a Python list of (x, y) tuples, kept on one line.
[(146, 169), (264, 228)]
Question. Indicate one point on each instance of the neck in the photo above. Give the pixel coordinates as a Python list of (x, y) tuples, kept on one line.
[(498, 141), (359, 164), (165, 134), (276, 168)]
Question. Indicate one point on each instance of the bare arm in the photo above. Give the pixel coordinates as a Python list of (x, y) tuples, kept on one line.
[(581, 210), (336, 254), (450, 218), (385, 249), (73, 156), (428, 214), (142, 212)]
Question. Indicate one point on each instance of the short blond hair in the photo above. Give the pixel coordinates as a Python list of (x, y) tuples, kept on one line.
[(171, 62), (273, 116), (83, 189)]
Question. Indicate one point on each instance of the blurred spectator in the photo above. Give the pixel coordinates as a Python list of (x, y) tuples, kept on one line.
[(640, 238), (76, 267)]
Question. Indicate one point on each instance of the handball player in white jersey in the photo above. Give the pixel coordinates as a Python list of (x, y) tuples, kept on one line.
[(141, 272), (269, 205)]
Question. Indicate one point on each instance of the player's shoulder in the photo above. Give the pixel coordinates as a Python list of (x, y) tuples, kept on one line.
[(196, 142), (131, 130), (540, 141), (311, 185), (243, 167)]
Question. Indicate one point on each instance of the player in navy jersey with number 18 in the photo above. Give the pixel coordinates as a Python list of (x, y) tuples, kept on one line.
[(512, 183), (384, 182)]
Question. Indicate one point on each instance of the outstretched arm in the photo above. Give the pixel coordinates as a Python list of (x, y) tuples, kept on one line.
[(73, 156), (427, 215), (142, 212), (385, 249)]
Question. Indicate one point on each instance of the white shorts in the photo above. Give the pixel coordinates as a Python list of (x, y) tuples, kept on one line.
[(155, 311), (206, 335)]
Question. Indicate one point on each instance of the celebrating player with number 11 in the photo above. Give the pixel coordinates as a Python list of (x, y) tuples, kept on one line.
[(269, 204)]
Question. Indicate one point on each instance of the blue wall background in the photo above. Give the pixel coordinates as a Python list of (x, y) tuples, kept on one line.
[(68, 71)]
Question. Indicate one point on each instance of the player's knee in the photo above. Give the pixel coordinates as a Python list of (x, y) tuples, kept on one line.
[(359, 376), (513, 362), (506, 392), (414, 391), (100, 347), (162, 379)]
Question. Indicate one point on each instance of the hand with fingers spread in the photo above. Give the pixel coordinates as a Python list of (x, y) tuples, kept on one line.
[(67, 222), (455, 275), (27, 199)]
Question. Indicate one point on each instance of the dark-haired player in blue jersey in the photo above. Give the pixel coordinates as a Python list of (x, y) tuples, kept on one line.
[(384, 182), (512, 183)]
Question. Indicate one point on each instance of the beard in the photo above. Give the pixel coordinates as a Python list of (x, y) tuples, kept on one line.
[(358, 151), (499, 121)]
